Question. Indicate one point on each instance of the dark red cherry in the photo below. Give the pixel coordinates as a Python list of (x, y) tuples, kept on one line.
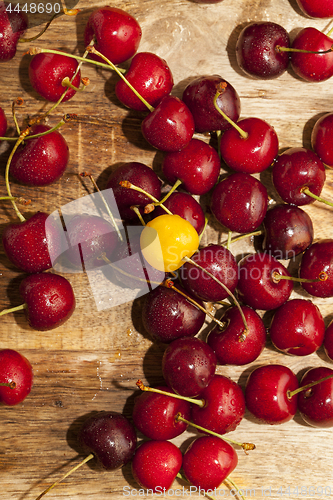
[(224, 406), (217, 260), (296, 169), (312, 8), (3, 123), (115, 33), (111, 437), (42, 160), (322, 139), (328, 341), (187, 207), (288, 231), (155, 414), (15, 369), (151, 76), (167, 315), (156, 464), (199, 97), (170, 126), (141, 176), (257, 53), (32, 245), (231, 345), (318, 259), (239, 202), (188, 365), (316, 403), (259, 285), (297, 327), (220, 459), (253, 153), (312, 67), (49, 300), (197, 166), (13, 24), (267, 394)]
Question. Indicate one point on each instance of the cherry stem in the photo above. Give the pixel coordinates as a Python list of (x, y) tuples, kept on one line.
[(307, 191), (199, 402), (89, 457), (18, 102), (277, 277), (235, 487), (168, 283), (245, 446), (174, 187), (220, 89), (330, 32), (19, 199), (11, 385), (278, 48), (246, 329), (86, 174), (146, 103), (136, 209), (27, 40), (13, 309), (104, 257), (67, 83), (64, 120), (242, 236), (129, 185), (290, 394)]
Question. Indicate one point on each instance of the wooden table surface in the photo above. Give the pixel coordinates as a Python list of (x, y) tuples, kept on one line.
[(93, 361)]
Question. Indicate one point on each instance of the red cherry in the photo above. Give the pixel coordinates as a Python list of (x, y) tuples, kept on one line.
[(42, 160), (49, 300), (316, 260), (312, 67), (313, 8), (316, 403), (267, 394), (220, 459), (156, 464), (187, 207), (116, 34), (297, 328), (322, 139), (328, 341), (3, 123), (13, 24), (46, 73), (14, 369), (150, 76)]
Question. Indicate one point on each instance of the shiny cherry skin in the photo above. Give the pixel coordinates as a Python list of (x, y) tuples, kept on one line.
[(220, 460), (12, 27), (322, 139), (40, 161), (14, 368), (49, 299), (312, 8), (151, 76), (32, 245), (296, 169), (167, 315), (318, 258), (316, 403), (154, 414), (217, 260), (197, 166), (141, 176), (224, 406), (297, 327), (254, 153), (258, 287), (239, 202), (3, 123), (312, 67), (230, 344), (288, 231), (188, 365), (257, 53), (328, 341), (266, 394), (116, 34), (156, 464), (111, 437), (46, 73), (187, 207), (170, 126), (199, 97)]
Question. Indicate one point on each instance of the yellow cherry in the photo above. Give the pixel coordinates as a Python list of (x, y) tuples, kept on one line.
[(166, 240)]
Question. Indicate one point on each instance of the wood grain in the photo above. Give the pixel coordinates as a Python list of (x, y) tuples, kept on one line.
[(93, 361)]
